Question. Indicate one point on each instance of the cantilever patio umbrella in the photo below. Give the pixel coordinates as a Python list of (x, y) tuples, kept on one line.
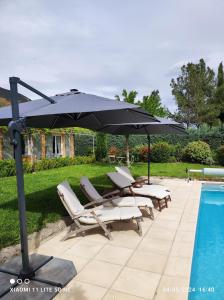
[(165, 126), (65, 110)]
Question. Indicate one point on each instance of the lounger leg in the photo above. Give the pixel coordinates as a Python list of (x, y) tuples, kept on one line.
[(138, 221), (103, 226), (71, 231), (151, 213)]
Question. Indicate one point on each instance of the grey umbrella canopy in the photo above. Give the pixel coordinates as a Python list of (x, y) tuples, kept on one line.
[(165, 126), (65, 110), (76, 109)]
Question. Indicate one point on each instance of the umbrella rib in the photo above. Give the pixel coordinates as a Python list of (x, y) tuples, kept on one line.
[(54, 122)]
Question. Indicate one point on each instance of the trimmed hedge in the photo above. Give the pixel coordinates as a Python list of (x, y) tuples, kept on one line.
[(7, 167)]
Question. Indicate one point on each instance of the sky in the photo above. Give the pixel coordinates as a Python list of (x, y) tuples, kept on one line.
[(102, 47)]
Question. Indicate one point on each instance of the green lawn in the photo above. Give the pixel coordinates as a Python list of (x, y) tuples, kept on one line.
[(43, 204)]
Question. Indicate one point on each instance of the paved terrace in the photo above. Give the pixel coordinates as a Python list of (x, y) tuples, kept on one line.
[(154, 266)]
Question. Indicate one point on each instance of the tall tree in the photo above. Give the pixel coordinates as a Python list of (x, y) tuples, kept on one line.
[(152, 104), (129, 97), (194, 91), (219, 93), (220, 76)]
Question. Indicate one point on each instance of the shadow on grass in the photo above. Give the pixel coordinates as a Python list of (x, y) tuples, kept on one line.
[(42, 207)]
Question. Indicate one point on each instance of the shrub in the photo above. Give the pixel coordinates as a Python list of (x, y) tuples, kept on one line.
[(140, 152), (209, 161), (197, 152), (7, 167), (172, 159), (161, 152), (220, 155), (113, 151), (101, 146), (178, 152), (143, 153)]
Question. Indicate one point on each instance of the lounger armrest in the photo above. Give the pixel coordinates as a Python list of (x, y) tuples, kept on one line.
[(86, 211), (112, 193), (97, 202)]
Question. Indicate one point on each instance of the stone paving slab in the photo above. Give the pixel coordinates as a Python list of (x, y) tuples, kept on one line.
[(155, 266)]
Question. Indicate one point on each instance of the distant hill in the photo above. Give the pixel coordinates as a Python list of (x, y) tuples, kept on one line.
[(5, 97)]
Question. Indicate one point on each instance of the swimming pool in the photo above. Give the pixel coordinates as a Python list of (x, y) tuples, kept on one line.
[(207, 272)]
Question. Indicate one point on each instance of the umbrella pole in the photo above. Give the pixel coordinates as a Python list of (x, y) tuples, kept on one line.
[(15, 127), (127, 150), (149, 142)]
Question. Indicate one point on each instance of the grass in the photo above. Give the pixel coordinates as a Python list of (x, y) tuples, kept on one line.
[(43, 204)]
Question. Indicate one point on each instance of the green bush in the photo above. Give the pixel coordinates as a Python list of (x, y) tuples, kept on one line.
[(220, 155), (161, 152), (197, 152), (7, 167), (101, 146)]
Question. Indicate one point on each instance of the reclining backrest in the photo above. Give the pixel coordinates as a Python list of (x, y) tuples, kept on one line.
[(126, 172), (119, 180), (69, 199), (89, 190)]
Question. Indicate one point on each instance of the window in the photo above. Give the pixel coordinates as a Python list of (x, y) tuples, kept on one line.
[(56, 145)]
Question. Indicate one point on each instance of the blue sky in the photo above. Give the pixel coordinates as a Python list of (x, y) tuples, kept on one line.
[(103, 46)]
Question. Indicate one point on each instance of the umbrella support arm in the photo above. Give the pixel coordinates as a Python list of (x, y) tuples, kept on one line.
[(35, 271)]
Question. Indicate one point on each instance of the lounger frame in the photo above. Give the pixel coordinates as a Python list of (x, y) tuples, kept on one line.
[(77, 227)]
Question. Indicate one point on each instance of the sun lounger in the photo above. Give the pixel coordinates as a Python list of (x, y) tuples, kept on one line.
[(125, 185), (87, 218), (115, 199), (126, 172)]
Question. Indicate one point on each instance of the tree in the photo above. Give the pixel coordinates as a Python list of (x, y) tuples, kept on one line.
[(219, 93), (194, 93), (152, 104), (220, 76), (129, 97)]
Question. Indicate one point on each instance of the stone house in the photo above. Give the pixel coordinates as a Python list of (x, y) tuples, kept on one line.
[(39, 145)]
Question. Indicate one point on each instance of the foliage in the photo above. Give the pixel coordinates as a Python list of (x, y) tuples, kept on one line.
[(161, 152), (197, 152), (113, 150), (7, 167), (129, 97), (193, 91), (220, 155), (140, 153), (101, 146), (152, 104), (219, 93)]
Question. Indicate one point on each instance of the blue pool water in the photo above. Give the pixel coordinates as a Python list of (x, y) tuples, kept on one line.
[(207, 273)]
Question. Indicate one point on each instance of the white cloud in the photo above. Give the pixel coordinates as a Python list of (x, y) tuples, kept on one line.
[(104, 46)]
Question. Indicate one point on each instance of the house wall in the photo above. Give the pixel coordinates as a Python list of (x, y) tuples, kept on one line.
[(42, 146)]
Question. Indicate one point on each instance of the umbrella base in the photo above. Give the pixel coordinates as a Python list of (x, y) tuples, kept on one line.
[(50, 275)]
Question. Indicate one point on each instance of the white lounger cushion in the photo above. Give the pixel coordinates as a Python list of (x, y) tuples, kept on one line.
[(74, 207), (147, 190), (133, 201), (90, 189), (70, 201), (113, 214), (126, 172), (121, 201)]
